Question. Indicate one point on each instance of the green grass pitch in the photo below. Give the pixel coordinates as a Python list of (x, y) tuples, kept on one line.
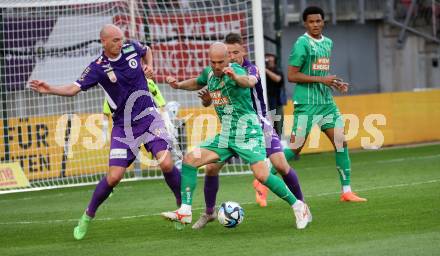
[(402, 216)]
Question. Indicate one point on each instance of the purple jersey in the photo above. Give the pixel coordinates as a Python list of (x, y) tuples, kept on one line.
[(257, 93), (120, 77), (273, 142)]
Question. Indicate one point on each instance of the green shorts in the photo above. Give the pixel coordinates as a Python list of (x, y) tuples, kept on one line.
[(305, 116), (250, 149)]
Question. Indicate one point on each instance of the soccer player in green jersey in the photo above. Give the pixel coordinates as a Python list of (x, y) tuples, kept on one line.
[(274, 149), (309, 65), (241, 134)]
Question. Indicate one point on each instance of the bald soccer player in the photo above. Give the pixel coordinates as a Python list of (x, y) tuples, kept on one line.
[(241, 134), (136, 121)]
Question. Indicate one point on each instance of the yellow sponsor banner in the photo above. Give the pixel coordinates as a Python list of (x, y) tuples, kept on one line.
[(377, 120), (371, 121), (32, 143), (89, 146), (12, 176), (202, 123)]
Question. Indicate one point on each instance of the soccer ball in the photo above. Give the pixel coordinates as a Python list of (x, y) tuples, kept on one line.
[(230, 214)]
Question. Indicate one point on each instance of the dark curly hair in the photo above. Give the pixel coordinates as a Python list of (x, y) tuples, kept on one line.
[(312, 10)]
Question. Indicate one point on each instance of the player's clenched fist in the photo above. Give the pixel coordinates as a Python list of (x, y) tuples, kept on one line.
[(172, 81), (229, 72), (148, 71), (205, 97)]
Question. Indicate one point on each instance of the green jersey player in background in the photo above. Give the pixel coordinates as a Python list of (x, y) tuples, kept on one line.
[(241, 134), (309, 65)]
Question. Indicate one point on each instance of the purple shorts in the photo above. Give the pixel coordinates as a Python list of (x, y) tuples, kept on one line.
[(271, 139), (273, 142), (126, 141)]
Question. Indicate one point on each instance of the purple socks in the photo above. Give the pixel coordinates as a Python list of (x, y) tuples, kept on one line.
[(102, 191), (173, 180), (291, 180), (211, 188)]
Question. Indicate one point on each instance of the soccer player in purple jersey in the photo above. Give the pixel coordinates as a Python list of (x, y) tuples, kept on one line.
[(120, 71), (274, 149)]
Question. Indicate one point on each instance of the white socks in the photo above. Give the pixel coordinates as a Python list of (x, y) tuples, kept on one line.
[(298, 204), (185, 209), (346, 188)]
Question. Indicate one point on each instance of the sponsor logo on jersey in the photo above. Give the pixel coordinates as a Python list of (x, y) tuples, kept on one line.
[(133, 63), (84, 74), (111, 75), (128, 49), (321, 64), (118, 153), (218, 99)]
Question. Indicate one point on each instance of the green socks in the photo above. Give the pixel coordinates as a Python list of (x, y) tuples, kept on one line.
[(189, 182), (288, 153), (276, 185), (273, 170), (343, 165)]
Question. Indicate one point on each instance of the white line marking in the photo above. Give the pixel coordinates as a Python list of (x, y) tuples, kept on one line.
[(128, 187), (201, 208)]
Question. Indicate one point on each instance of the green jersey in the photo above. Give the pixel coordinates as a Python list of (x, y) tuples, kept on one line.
[(312, 56), (227, 96)]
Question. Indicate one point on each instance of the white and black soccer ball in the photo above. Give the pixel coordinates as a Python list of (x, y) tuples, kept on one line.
[(230, 214)]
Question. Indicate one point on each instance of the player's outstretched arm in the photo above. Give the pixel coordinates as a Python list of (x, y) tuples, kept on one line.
[(188, 85), (242, 80), (63, 90)]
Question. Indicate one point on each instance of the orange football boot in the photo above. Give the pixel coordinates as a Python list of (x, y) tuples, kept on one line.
[(351, 197), (260, 193)]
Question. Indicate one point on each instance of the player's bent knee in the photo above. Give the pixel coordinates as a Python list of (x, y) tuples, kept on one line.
[(166, 165), (211, 170), (113, 179), (190, 159), (282, 169), (260, 173), (261, 177)]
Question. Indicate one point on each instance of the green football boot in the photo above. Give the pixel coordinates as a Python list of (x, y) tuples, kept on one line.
[(80, 231)]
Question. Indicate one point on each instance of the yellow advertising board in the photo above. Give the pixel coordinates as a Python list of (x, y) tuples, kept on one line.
[(45, 148), (376, 120), (89, 145), (12, 176), (32, 143)]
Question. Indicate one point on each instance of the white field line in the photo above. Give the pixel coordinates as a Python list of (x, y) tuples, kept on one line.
[(306, 168), (201, 208)]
